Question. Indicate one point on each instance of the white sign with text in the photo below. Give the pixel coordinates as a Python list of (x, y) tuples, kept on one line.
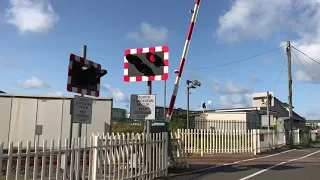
[(143, 107), (82, 110)]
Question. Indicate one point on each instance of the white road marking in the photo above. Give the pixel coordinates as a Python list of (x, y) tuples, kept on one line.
[(303, 150), (237, 162), (264, 170)]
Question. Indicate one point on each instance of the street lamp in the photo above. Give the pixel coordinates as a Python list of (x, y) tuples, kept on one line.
[(190, 85)]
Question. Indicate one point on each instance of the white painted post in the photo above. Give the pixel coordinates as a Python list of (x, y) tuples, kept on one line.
[(258, 141), (1, 156), (254, 139), (202, 142), (166, 140), (95, 158), (9, 161)]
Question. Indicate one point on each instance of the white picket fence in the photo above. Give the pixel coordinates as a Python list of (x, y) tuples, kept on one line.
[(126, 156), (209, 141), (113, 156)]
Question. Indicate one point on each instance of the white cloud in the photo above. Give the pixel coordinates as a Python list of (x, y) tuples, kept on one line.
[(252, 19), (232, 95), (254, 79), (230, 88), (257, 19), (147, 34), (235, 101), (32, 82), (31, 15), (312, 114), (116, 93), (56, 93)]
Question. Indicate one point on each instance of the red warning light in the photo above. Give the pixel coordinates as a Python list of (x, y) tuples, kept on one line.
[(150, 57)]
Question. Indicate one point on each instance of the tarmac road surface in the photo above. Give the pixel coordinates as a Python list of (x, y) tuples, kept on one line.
[(297, 164)]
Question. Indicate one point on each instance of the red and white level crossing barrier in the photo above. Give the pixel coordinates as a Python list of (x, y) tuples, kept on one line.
[(183, 59)]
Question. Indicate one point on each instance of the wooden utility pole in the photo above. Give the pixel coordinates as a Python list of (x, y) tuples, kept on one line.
[(290, 92)]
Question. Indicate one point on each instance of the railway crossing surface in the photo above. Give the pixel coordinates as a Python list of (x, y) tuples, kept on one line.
[(293, 164)]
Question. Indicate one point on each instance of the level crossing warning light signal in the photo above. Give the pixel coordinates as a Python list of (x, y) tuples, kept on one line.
[(146, 64), (84, 76)]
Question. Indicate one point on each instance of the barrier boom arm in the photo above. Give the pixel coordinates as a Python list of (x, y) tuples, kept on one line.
[(183, 59)]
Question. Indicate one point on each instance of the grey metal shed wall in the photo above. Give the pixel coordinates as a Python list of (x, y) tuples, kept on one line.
[(19, 116)]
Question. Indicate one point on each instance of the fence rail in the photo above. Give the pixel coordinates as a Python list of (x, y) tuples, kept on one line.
[(114, 156), (254, 141), (127, 156), (216, 141)]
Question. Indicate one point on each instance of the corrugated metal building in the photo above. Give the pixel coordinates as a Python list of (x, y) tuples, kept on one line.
[(19, 115)]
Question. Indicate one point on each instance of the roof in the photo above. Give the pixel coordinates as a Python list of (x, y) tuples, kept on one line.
[(49, 97), (2, 92), (237, 109), (285, 106)]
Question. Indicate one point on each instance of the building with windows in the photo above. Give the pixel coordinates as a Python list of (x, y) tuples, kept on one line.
[(253, 117)]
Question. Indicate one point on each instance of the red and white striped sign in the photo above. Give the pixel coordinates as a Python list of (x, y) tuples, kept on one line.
[(70, 88), (162, 77)]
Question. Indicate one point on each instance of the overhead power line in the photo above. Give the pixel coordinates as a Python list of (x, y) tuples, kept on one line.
[(278, 79), (299, 61), (303, 66), (238, 61), (305, 55)]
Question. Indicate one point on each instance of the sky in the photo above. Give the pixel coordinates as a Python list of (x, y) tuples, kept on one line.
[(37, 37)]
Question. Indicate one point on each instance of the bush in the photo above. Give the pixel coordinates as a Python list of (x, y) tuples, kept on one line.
[(126, 128)]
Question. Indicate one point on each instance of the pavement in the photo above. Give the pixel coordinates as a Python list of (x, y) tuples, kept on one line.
[(296, 164)]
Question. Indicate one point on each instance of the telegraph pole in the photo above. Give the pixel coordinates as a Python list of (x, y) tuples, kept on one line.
[(84, 55), (290, 92)]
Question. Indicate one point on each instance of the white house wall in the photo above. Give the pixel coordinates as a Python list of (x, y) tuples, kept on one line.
[(222, 116), (223, 121)]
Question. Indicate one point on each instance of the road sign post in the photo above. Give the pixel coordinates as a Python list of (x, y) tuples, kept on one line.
[(146, 64), (143, 106), (83, 78)]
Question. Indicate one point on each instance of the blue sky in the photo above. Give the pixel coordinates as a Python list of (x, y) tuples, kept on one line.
[(37, 37)]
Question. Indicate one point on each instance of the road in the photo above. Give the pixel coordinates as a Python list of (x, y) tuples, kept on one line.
[(294, 164)]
